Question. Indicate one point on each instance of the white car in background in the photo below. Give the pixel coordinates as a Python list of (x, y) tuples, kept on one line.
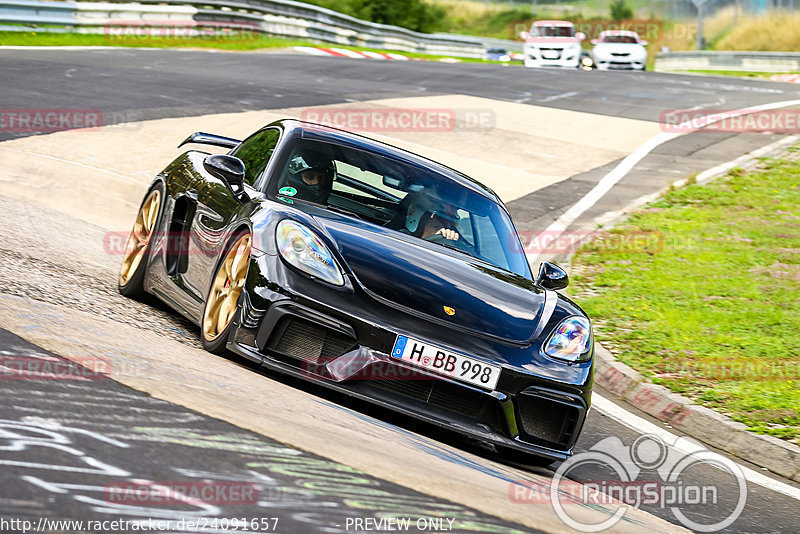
[(619, 49), (552, 43)]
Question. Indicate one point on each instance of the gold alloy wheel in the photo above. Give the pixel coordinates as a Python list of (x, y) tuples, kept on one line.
[(140, 237), (225, 290)]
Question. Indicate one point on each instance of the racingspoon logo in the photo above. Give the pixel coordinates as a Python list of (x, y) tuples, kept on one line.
[(649, 472)]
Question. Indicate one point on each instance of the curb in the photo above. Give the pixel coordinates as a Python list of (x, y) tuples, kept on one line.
[(792, 78), (353, 54), (704, 424)]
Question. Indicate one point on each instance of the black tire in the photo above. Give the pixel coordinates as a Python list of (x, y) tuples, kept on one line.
[(216, 344), (130, 282)]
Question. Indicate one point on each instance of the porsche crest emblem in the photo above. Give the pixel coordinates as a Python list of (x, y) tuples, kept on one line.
[(449, 311)]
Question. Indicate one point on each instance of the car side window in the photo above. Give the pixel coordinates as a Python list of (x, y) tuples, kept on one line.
[(489, 243), (464, 226), (255, 152)]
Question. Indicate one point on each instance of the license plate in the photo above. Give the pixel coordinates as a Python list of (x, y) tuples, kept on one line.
[(447, 363)]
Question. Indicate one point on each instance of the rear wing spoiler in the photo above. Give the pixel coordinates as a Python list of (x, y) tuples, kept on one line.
[(211, 139)]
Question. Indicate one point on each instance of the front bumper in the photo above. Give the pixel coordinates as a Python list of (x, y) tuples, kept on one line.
[(619, 64), (349, 354), (552, 57)]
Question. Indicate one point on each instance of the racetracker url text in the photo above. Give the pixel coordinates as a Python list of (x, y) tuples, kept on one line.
[(198, 524)]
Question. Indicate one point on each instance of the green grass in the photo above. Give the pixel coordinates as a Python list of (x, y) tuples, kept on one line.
[(701, 292), (738, 74), (241, 43)]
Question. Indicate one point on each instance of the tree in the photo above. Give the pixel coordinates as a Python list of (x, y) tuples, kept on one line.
[(620, 10), (415, 15)]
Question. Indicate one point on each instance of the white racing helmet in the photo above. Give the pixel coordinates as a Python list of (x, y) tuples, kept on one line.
[(423, 204)]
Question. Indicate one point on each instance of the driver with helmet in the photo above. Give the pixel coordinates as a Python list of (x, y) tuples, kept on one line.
[(311, 173), (427, 218)]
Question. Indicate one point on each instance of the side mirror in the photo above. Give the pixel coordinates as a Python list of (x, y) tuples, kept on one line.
[(643, 43), (580, 36), (551, 276), (230, 170), (596, 41), (523, 36)]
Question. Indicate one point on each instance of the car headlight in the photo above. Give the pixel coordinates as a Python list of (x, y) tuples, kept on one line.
[(570, 340), (300, 247)]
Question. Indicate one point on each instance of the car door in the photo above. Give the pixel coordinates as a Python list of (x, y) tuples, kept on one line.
[(217, 208)]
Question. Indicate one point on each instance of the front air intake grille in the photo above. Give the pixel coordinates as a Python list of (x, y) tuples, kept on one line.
[(308, 341), (548, 420), (551, 53), (443, 394)]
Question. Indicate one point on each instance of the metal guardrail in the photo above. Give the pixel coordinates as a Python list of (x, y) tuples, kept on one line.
[(282, 18), (23, 11), (511, 46), (733, 61)]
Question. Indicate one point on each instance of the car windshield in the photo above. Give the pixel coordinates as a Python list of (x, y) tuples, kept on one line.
[(553, 31), (402, 196), (619, 39)]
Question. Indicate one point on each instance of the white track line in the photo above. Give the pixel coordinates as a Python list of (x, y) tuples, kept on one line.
[(608, 181), (708, 174), (643, 426)]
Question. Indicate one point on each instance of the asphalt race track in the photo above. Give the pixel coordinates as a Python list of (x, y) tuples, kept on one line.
[(264, 480), (314, 460)]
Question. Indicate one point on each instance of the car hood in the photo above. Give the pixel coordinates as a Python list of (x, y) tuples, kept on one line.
[(425, 279)]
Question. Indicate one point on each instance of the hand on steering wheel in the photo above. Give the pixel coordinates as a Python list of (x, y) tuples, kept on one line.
[(447, 233)]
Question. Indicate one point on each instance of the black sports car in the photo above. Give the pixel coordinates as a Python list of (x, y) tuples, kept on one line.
[(374, 271)]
